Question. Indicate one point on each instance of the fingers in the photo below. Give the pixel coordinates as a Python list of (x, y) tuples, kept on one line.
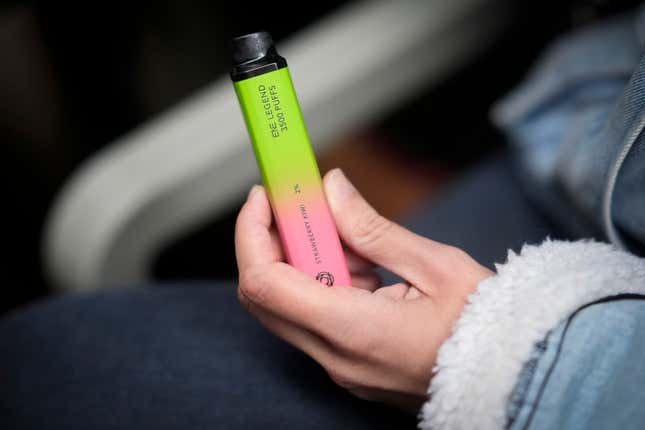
[(277, 245), (284, 291), (308, 342), (374, 237), (257, 241), (368, 281), (356, 263), (400, 291), (254, 243), (362, 271)]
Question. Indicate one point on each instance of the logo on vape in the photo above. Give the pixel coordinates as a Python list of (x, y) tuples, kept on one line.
[(325, 278)]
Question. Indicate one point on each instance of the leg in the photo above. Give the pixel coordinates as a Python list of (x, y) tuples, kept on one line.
[(485, 213), (189, 357), (186, 357)]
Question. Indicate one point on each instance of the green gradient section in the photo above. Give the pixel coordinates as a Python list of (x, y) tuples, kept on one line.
[(279, 135)]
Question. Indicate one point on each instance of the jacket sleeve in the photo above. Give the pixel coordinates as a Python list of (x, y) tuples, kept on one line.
[(577, 125), (508, 317)]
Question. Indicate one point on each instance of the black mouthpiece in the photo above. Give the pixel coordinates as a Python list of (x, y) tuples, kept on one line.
[(251, 47), (254, 54)]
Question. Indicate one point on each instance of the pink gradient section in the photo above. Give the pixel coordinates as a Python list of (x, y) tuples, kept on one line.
[(314, 249)]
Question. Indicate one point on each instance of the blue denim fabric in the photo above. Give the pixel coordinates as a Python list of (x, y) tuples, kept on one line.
[(577, 116), (588, 373)]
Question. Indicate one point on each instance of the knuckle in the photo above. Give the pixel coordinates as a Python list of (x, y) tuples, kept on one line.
[(239, 221), (360, 344), (341, 377), (244, 301), (454, 263), (457, 256), (458, 253), (253, 285), (241, 297), (370, 228), (367, 346)]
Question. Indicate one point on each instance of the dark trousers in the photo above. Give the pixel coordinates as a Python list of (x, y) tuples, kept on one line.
[(189, 357)]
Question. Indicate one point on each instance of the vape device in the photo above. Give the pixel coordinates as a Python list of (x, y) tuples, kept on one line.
[(286, 160)]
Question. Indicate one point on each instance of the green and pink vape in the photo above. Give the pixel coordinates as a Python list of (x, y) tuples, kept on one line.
[(286, 160)]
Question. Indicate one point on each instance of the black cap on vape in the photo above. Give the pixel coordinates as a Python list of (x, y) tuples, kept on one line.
[(254, 54)]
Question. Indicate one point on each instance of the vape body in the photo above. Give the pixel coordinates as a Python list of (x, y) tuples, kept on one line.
[(286, 160)]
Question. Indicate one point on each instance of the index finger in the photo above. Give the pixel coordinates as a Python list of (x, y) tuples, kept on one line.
[(294, 296), (254, 243)]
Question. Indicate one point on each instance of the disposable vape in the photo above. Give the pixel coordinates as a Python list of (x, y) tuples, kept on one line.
[(286, 160)]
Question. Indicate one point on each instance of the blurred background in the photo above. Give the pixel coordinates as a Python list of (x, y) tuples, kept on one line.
[(75, 79)]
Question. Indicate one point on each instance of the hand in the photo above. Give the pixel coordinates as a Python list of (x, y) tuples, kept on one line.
[(379, 343)]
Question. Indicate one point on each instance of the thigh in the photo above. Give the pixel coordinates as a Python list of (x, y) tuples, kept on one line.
[(181, 357), (485, 212)]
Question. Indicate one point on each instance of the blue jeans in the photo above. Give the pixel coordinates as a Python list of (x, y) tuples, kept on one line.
[(189, 357)]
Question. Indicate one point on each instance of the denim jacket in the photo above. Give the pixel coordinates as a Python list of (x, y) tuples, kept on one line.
[(577, 127), (556, 339)]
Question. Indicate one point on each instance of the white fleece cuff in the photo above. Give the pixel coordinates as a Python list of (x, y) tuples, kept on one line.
[(478, 366)]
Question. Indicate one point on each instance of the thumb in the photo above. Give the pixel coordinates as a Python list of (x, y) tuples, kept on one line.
[(375, 237)]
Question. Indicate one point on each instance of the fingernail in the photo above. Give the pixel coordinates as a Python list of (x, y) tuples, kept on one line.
[(253, 192), (341, 188)]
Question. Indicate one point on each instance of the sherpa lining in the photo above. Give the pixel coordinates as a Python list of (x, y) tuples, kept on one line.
[(478, 366)]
